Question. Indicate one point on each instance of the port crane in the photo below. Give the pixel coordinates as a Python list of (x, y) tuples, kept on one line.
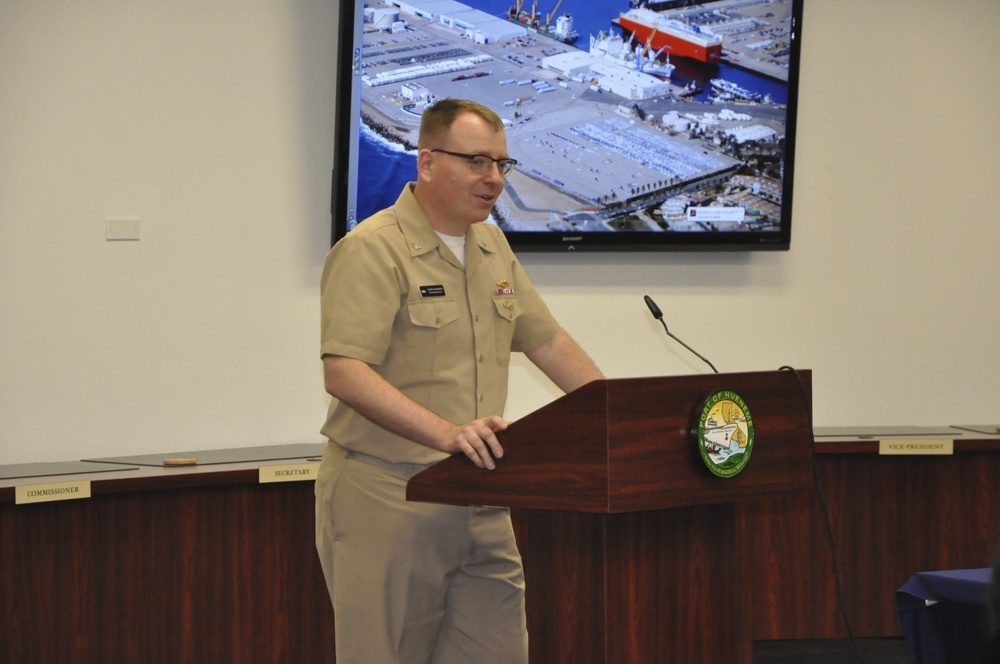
[(522, 16), (540, 21), (515, 11), (649, 48), (548, 18), (649, 43)]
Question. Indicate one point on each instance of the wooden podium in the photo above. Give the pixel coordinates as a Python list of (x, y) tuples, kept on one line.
[(631, 549)]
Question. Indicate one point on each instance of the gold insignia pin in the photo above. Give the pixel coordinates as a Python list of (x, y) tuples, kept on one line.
[(503, 283), (508, 305)]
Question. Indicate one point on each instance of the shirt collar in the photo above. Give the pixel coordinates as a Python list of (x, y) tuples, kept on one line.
[(414, 225), (419, 234)]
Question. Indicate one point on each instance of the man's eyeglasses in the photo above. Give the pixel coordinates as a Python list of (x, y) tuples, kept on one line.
[(481, 163)]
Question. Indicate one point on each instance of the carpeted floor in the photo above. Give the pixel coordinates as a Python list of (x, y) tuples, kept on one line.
[(832, 651)]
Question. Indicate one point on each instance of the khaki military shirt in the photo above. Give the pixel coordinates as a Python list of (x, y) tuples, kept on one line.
[(395, 297)]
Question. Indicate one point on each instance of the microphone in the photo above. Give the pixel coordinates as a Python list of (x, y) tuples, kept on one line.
[(658, 315)]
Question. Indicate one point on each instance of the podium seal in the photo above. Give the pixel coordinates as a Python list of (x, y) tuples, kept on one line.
[(725, 433)]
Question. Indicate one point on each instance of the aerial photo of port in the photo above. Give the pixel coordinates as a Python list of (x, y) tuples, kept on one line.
[(669, 116)]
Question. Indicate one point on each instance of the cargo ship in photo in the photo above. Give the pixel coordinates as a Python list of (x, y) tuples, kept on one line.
[(676, 38), (627, 53), (562, 30), (726, 90)]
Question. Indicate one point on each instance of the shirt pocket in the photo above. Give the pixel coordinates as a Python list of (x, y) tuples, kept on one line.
[(432, 340), (508, 311)]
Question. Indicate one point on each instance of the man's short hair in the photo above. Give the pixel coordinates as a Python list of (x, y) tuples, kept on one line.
[(440, 116)]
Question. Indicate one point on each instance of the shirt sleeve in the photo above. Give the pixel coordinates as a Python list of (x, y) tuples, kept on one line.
[(359, 296)]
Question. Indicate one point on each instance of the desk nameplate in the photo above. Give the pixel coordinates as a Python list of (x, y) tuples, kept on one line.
[(288, 472), (43, 493), (917, 446)]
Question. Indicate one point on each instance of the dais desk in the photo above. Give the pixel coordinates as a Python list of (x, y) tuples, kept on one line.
[(891, 515), (207, 564), (175, 565)]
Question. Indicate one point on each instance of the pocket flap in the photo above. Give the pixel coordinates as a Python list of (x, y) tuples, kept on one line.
[(432, 314), (507, 307)]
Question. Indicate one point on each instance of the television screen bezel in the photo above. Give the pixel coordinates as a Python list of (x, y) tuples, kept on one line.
[(346, 140)]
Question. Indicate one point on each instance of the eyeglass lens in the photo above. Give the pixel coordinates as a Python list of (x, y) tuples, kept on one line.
[(482, 163)]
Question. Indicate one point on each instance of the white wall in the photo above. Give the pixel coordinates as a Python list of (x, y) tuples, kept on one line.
[(212, 123)]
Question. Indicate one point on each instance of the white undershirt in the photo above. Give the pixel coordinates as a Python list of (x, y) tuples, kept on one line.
[(456, 244)]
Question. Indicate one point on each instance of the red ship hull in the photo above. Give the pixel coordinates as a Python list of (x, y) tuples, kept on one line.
[(675, 45)]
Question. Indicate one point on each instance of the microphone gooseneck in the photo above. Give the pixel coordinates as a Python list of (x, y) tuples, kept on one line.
[(658, 315)]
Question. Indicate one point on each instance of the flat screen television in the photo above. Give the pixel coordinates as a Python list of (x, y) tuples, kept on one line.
[(642, 127)]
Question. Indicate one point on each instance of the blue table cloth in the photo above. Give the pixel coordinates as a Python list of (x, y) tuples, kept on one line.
[(944, 616)]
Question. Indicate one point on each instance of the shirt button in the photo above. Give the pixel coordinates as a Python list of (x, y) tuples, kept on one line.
[(477, 318), (481, 398), (481, 357)]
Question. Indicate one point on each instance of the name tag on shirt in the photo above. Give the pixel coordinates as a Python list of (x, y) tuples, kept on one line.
[(436, 290)]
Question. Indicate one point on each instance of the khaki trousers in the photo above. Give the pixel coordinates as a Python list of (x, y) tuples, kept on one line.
[(415, 583)]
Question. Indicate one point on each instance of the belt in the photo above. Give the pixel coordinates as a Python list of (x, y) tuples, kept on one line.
[(407, 470)]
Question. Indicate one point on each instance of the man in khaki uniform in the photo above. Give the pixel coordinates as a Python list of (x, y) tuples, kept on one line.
[(421, 307)]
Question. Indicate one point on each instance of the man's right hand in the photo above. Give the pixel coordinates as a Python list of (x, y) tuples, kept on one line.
[(477, 440)]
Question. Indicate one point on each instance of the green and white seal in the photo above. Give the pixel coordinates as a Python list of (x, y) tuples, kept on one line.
[(725, 433)]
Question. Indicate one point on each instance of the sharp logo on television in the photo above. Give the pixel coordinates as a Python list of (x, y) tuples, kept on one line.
[(665, 126)]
